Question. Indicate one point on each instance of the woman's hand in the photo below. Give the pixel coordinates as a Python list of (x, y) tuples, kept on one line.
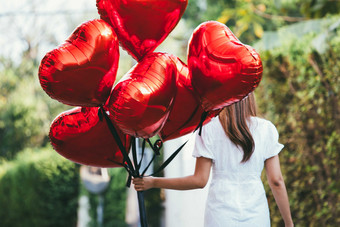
[(198, 180), (143, 184)]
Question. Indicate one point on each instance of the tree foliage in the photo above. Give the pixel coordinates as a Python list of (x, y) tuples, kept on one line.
[(248, 19), (25, 111), (300, 93)]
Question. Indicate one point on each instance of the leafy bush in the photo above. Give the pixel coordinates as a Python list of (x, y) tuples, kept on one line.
[(300, 94), (39, 188), (26, 111)]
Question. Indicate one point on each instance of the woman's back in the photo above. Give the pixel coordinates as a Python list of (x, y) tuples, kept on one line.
[(236, 194)]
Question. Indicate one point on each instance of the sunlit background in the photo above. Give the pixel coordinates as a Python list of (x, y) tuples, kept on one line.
[(299, 43)]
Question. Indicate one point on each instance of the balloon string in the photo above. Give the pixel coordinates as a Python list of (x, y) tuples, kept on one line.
[(142, 211), (128, 164), (147, 167), (156, 148), (167, 162), (200, 125), (143, 151), (115, 135), (134, 156), (128, 181), (120, 164)]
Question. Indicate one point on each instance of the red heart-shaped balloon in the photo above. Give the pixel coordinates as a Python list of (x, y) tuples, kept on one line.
[(141, 25), (80, 136), (141, 100), (222, 69), (186, 112), (81, 72)]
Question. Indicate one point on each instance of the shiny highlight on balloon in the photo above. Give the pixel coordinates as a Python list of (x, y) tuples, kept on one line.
[(141, 101), (80, 136), (141, 25), (222, 69), (186, 112), (81, 72)]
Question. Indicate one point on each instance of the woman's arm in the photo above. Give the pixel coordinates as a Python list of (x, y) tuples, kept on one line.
[(278, 188), (198, 180)]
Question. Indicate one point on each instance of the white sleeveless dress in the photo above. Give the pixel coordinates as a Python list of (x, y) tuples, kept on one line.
[(236, 195)]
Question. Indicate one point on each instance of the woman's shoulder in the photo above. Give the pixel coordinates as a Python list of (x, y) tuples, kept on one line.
[(262, 123), (213, 126), (213, 122)]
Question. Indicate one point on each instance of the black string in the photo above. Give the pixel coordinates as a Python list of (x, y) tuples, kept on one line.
[(134, 156), (156, 149), (127, 163), (101, 114), (156, 146), (142, 211), (200, 125), (128, 181), (167, 162), (120, 164), (142, 156), (147, 167)]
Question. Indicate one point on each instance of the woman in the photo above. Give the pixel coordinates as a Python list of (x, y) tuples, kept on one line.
[(236, 145)]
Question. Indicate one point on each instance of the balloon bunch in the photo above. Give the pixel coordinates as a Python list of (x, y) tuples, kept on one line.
[(160, 95)]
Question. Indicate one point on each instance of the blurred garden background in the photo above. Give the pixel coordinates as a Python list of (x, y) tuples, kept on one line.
[(299, 43)]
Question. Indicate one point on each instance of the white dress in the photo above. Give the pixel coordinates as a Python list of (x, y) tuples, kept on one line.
[(236, 195)]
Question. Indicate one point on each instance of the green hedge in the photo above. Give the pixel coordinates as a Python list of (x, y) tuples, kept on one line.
[(300, 94), (39, 188)]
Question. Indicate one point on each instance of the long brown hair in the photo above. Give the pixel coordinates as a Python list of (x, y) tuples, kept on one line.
[(234, 121)]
